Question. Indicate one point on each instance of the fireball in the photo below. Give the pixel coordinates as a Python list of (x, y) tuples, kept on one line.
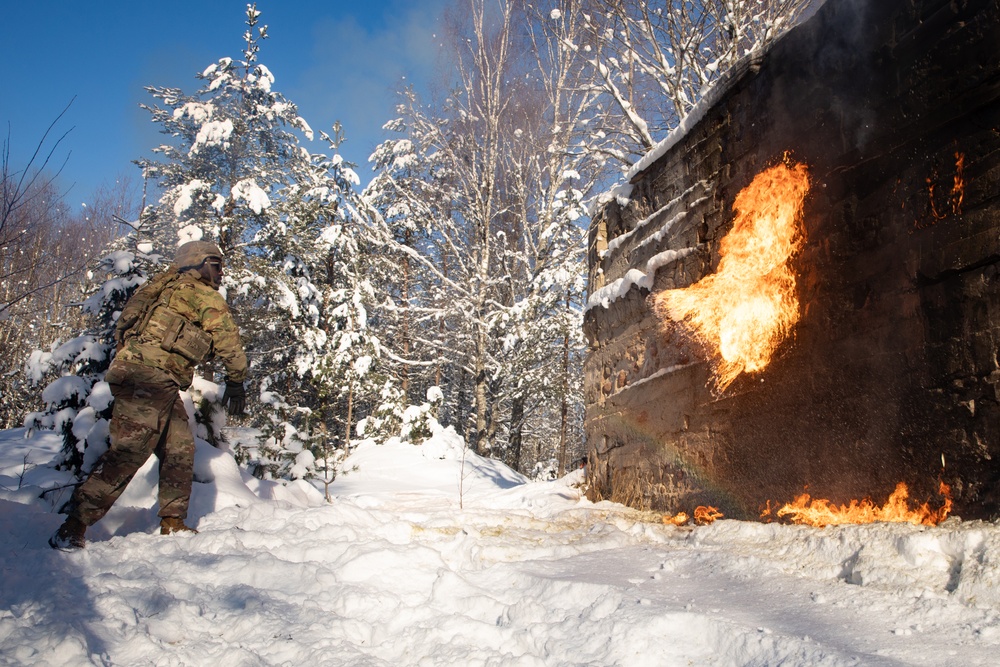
[(746, 308)]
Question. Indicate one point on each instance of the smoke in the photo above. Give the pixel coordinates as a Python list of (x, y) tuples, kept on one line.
[(826, 68)]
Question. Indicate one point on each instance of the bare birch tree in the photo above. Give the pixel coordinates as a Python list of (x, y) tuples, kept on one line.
[(655, 61), (45, 249)]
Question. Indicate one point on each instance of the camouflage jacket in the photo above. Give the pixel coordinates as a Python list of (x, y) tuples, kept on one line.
[(186, 301)]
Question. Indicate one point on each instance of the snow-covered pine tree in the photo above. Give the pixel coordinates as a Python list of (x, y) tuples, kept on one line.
[(290, 332), (349, 371), (233, 147), (412, 200), (78, 401), (235, 172), (386, 415), (232, 151), (324, 350)]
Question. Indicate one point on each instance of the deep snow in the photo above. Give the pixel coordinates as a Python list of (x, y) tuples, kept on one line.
[(417, 563)]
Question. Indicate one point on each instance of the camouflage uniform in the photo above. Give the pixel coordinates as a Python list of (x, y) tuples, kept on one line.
[(148, 415), (194, 301)]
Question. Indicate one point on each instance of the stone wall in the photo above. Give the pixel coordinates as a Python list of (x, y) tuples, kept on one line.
[(893, 367)]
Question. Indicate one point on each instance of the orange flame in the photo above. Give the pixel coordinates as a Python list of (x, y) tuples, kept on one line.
[(819, 512), (749, 305), (955, 196), (706, 515), (678, 519), (703, 515), (958, 187)]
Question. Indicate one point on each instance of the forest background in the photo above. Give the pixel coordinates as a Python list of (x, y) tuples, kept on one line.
[(451, 285)]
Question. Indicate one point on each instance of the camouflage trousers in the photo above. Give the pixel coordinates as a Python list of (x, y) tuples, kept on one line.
[(148, 417)]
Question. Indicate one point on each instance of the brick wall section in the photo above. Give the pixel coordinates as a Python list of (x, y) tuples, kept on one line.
[(894, 362)]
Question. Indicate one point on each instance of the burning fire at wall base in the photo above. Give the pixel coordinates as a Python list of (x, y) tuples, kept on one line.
[(897, 509), (819, 512)]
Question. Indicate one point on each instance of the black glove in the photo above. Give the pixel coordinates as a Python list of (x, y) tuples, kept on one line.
[(235, 396)]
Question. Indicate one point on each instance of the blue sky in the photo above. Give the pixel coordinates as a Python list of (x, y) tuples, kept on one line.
[(336, 59)]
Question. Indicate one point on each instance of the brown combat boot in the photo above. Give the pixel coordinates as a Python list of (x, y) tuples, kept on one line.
[(70, 535), (174, 524)]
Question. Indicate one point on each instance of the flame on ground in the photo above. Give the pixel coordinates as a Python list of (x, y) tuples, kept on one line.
[(819, 512), (678, 519), (703, 515), (749, 305)]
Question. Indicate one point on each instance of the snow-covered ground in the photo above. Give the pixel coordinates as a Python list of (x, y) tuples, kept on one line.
[(422, 559)]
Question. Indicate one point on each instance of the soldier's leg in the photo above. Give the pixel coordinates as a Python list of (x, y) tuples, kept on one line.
[(136, 423), (176, 454)]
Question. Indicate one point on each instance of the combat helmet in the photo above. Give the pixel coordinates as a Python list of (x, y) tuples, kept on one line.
[(193, 254)]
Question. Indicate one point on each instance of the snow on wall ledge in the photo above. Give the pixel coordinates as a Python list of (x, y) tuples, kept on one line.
[(893, 367)]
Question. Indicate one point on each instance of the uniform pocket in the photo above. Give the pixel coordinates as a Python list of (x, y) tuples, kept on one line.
[(183, 338)]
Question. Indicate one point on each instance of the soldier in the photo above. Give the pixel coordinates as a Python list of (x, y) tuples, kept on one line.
[(169, 326)]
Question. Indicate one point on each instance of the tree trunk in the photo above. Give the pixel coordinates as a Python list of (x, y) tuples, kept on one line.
[(564, 408), (516, 433), (481, 445), (350, 415), (404, 370)]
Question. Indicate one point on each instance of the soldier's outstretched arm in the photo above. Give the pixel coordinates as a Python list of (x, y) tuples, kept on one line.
[(218, 321)]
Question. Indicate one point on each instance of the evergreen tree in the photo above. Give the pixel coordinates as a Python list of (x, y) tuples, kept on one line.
[(326, 352), (78, 401), (233, 147), (412, 200), (290, 226)]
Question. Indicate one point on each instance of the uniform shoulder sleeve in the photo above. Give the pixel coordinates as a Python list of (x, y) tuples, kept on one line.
[(209, 311)]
